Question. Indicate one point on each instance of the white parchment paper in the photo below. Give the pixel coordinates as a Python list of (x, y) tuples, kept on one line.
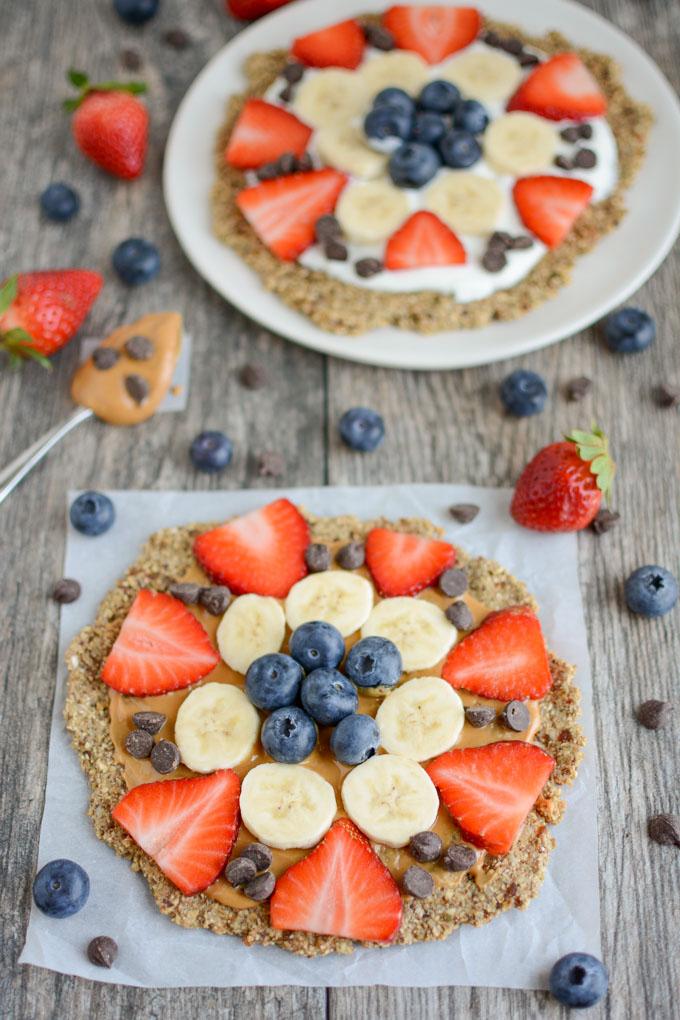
[(516, 950)]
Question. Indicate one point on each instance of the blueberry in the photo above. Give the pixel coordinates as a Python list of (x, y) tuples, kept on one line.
[(440, 96), (579, 980), (136, 261), (92, 513), (460, 149), (289, 735), (471, 116), (413, 165), (273, 681), (60, 202), (523, 393), (428, 127), (629, 330), (354, 739), (362, 429), (135, 12), (387, 122), (397, 99), (61, 888), (651, 591), (374, 662), (328, 696), (317, 645), (211, 451)]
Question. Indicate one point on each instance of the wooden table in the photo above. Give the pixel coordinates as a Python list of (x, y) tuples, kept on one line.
[(442, 427)]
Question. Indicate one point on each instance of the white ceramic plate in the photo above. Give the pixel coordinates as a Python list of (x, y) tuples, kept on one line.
[(601, 280)]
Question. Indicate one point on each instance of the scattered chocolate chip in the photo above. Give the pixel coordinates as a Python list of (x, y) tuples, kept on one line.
[(102, 951), (576, 389), (500, 240), (177, 38), (260, 888), (65, 591), (480, 716), (351, 556), (293, 72), (379, 37), (327, 229), (585, 159), (259, 854), (305, 163), (137, 387), (528, 59), (104, 358), (605, 521), (368, 267), (664, 829), (139, 743), (570, 134), (492, 38), (418, 882), (215, 599), (151, 722), (425, 846), (564, 162), (494, 260), (336, 251), (286, 95), (453, 582), (268, 171), (186, 592), (459, 857), (585, 131), (521, 242), (460, 616), (131, 60), (654, 715), (667, 396), (464, 512), (253, 377), (270, 464), (239, 871), (317, 557), (515, 716), (165, 757), (512, 45), (288, 163), (139, 348)]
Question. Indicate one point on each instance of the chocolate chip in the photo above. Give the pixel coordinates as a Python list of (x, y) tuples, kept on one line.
[(492, 38), (515, 716), (564, 162), (379, 37), (479, 716), (368, 267), (528, 59), (65, 591), (260, 888), (186, 592), (351, 556), (139, 743), (293, 72), (165, 757), (139, 348), (494, 260), (152, 722), (521, 242), (576, 389), (654, 715), (288, 163), (459, 857), (305, 163), (102, 951), (664, 829), (667, 396), (453, 582), (104, 358), (418, 882), (286, 95), (177, 38), (336, 251), (259, 854), (215, 599), (270, 464), (239, 871), (512, 45), (460, 616), (605, 521), (500, 240), (327, 228), (585, 159), (131, 60), (253, 377), (425, 846), (137, 387), (317, 557), (268, 171), (464, 512), (585, 131), (570, 134)]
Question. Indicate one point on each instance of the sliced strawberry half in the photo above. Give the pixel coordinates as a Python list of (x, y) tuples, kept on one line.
[(342, 888), (504, 658), (490, 790), (262, 133), (283, 212), (340, 45), (423, 241), (549, 206), (405, 564), (433, 32), (188, 826), (561, 88), (261, 552), (161, 647)]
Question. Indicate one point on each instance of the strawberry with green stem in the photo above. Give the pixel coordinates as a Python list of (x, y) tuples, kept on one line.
[(110, 124)]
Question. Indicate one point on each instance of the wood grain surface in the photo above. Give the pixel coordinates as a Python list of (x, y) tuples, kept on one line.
[(441, 427)]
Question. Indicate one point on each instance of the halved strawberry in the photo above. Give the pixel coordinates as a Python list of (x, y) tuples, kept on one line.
[(188, 826), (561, 88), (504, 658), (490, 790), (161, 647), (283, 212), (342, 888), (340, 45), (423, 241), (433, 32), (262, 133), (263, 551), (549, 206), (405, 564), (249, 9)]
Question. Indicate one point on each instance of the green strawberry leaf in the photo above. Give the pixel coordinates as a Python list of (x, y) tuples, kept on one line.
[(18, 346), (593, 448), (81, 81), (77, 78), (8, 292)]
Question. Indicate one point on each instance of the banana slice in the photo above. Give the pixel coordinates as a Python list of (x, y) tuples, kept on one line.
[(252, 626), (407, 71), (344, 148), (287, 806), (371, 212), (421, 719), (390, 798), (216, 727), (467, 202), (520, 143), (418, 628), (332, 97), (488, 76), (334, 596)]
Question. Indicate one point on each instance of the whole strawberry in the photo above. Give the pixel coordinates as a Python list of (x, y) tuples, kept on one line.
[(561, 489), (110, 125)]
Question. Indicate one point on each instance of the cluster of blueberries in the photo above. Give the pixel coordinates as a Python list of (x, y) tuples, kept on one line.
[(437, 128), (310, 675)]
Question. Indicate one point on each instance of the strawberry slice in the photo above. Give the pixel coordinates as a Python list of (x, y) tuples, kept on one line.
[(340, 45), (283, 212), (261, 552), (249, 9), (188, 826), (490, 790), (562, 88), (42, 311), (433, 32), (262, 133), (549, 206), (161, 647), (423, 241), (405, 564), (504, 658), (342, 888)]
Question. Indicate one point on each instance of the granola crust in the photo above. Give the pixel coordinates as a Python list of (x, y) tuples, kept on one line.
[(509, 881)]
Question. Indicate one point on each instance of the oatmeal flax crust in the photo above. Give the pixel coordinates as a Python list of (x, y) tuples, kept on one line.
[(342, 308), (510, 881)]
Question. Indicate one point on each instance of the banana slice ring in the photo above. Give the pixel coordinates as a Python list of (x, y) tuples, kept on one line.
[(421, 719), (370, 213), (486, 76), (520, 143), (466, 202), (390, 798), (331, 98), (287, 806), (216, 727)]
